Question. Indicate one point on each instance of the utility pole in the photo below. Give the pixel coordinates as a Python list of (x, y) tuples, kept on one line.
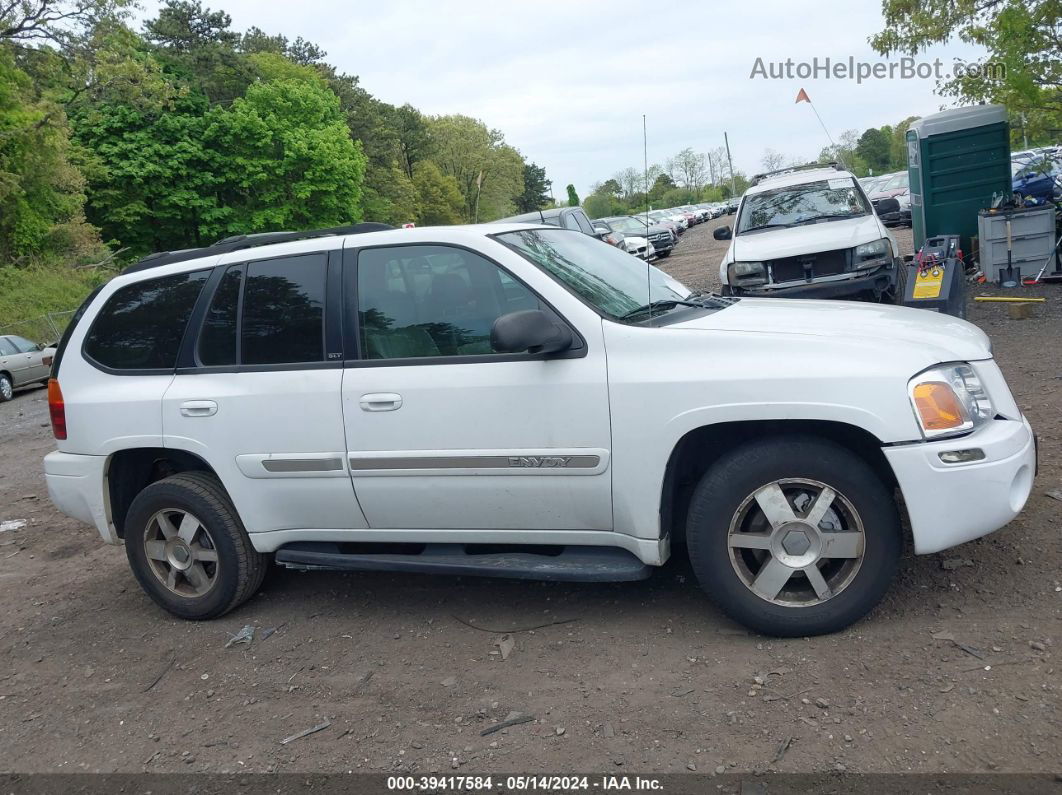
[(730, 162)]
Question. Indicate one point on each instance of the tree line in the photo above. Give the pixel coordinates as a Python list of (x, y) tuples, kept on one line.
[(187, 131)]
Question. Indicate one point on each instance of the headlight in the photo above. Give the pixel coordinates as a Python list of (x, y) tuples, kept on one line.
[(872, 255), (748, 274), (949, 400)]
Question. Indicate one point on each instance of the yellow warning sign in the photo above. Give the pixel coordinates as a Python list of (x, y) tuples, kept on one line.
[(928, 283)]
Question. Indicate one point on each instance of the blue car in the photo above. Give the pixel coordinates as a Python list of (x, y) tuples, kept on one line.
[(1040, 179)]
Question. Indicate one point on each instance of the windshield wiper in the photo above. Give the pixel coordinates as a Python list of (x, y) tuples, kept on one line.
[(830, 217), (708, 298), (763, 226), (663, 303)]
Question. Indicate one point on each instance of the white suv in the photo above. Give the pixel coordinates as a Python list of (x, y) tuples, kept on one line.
[(516, 400), (811, 232)]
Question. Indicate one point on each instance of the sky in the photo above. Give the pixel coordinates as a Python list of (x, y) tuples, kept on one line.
[(567, 83)]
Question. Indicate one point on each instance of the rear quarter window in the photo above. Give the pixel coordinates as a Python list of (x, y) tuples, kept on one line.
[(140, 327)]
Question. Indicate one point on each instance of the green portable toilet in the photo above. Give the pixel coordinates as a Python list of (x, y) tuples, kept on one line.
[(958, 160)]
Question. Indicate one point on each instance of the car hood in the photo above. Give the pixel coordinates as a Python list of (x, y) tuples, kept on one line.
[(808, 239), (940, 337)]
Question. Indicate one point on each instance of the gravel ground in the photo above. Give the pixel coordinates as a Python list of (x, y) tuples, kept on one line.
[(955, 672)]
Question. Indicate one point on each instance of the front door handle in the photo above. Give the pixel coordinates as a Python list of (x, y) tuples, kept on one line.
[(380, 401), (199, 408)]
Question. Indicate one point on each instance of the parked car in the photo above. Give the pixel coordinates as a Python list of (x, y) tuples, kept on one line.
[(606, 233), (662, 239), (22, 363), (565, 217), (811, 233), (519, 401), (893, 186), (732, 204), (661, 218), (1040, 178)]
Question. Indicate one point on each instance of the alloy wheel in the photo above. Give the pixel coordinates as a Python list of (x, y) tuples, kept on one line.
[(796, 542), (181, 552)]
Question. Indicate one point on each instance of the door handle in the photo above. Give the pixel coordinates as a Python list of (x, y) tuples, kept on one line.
[(199, 408), (380, 401)]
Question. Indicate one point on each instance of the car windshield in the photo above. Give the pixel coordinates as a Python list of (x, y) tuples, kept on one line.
[(610, 280), (628, 226), (804, 203)]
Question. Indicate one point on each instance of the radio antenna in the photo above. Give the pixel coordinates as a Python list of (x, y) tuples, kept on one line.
[(645, 168)]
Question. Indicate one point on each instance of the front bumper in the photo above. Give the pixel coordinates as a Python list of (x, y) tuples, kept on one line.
[(77, 486), (880, 281), (950, 504)]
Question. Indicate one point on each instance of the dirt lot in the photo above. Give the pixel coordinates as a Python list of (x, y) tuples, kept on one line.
[(958, 670)]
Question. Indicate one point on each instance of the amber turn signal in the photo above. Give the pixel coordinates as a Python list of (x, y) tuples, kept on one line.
[(938, 406)]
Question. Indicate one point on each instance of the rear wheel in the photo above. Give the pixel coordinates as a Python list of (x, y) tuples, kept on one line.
[(188, 549), (793, 536)]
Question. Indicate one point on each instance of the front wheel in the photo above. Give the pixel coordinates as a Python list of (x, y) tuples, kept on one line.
[(793, 536), (7, 391), (188, 549)]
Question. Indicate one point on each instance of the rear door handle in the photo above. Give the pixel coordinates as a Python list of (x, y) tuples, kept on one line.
[(380, 401), (199, 408)]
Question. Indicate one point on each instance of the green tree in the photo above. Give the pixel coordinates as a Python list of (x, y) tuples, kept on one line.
[(598, 205), (439, 200), (41, 190), (573, 197), (282, 158), (487, 170), (536, 189), (874, 147), (151, 187), (1023, 67), (197, 46)]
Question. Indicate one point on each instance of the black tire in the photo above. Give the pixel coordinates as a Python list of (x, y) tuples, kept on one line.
[(7, 390), (664, 254), (239, 569), (899, 291), (739, 474)]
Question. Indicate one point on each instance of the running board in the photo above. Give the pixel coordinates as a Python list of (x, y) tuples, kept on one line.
[(573, 564)]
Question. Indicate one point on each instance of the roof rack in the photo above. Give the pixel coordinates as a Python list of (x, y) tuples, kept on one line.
[(758, 178), (237, 242)]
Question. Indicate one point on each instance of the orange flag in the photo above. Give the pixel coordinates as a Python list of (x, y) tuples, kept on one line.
[(802, 96)]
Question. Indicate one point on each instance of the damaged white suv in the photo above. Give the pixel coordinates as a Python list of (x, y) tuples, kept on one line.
[(519, 401), (811, 232)]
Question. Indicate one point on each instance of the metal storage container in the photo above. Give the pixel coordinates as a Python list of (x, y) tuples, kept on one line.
[(957, 161), (1032, 240)]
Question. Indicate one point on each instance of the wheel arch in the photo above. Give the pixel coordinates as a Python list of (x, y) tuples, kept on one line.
[(130, 470), (700, 447)]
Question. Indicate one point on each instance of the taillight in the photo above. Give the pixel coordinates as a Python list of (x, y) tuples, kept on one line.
[(56, 409)]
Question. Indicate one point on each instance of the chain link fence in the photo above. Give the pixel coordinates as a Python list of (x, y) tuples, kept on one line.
[(46, 328)]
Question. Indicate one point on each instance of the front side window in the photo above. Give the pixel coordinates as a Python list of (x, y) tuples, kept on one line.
[(610, 280), (283, 310), (23, 345), (432, 301), (811, 202), (141, 325)]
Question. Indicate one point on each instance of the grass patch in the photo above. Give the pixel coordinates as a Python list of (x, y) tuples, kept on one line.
[(28, 295)]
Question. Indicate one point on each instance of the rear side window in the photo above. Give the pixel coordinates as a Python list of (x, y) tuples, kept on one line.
[(217, 341), (6, 348), (283, 310), (141, 325)]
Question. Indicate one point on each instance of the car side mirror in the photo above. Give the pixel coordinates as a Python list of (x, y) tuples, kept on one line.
[(886, 206), (601, 232), (722, 233), (530, 330)]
